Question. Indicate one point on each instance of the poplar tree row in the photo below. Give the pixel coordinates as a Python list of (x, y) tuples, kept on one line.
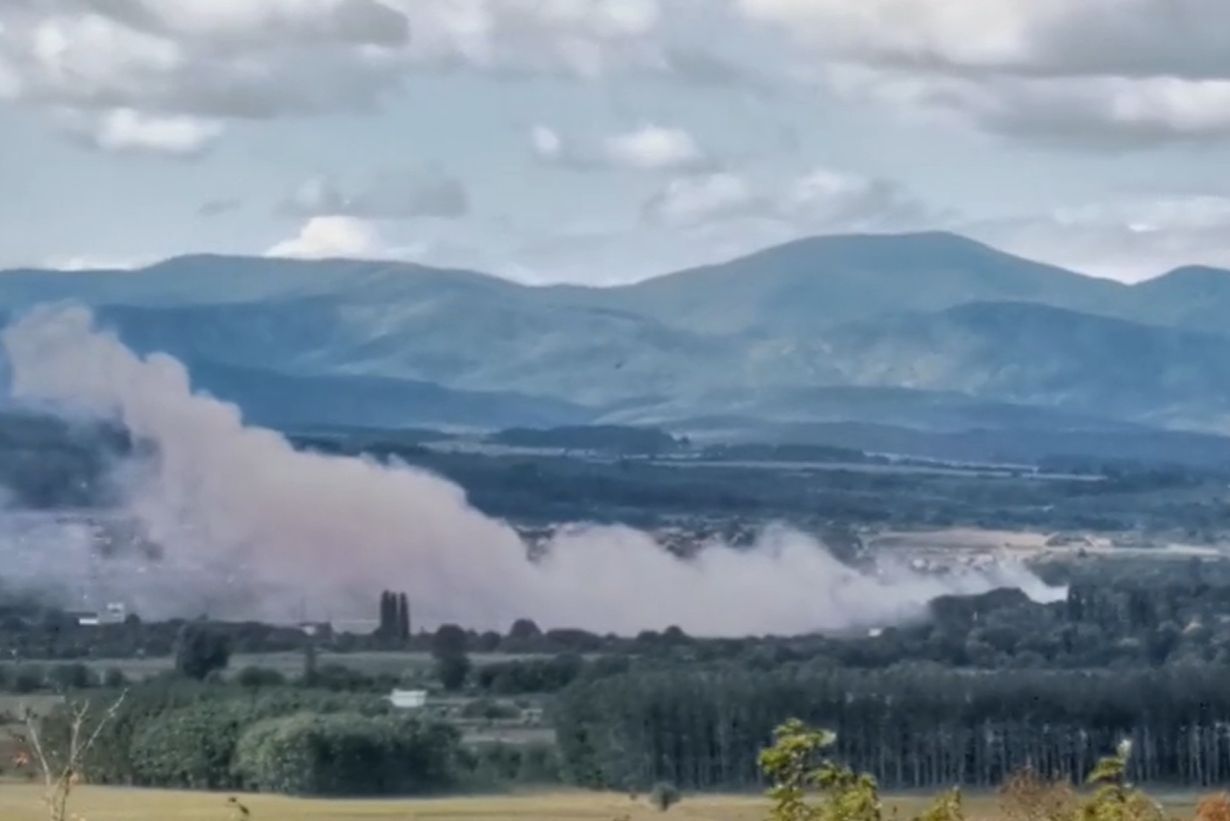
[(394, 616)]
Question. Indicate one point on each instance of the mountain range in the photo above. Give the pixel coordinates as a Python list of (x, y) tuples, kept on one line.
[(928, 331)]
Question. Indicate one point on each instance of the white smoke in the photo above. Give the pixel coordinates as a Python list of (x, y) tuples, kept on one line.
[(252, 527)]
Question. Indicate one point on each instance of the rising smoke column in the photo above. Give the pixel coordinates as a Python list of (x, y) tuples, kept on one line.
[(252, 527)]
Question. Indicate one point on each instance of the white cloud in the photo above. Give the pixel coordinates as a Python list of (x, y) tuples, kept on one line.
[(335, 236), (703, 198), (254, 59), (1129, 239), (95, 262), (127, 130), (834, 201), (653, 148), (546, 142), (648, 147), (820, 201), (391, 194), (1125, 71)]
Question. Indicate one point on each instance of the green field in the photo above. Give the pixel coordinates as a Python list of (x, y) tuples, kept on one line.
[(20, 802)]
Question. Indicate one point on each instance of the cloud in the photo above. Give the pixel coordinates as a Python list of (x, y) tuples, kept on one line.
[(546, 142), (333, 236), (653, 148), (836, 201), (218, 60), (649, 147), (1137, 72), (218, 207), (390, 195), (1129, 239), (124, 129), (821, 200), (693, 200)]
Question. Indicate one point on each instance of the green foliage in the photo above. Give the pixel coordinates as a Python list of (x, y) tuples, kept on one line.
[(75, 676), (346, 754), (200, 650), (191, 747), (794, 769), (453, 671), (176, 732), (496, 764), (1113, 798), (531, 675), (259, 677), (948, 806)]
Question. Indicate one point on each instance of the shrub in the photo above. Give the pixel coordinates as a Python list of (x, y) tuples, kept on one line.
[(190, 747), (1026, 796), (114, 679), (664, 795), (259, 677), (200, 650), (28, 679), (346, 754), (71, 677), (490, 710), (1214, 808)]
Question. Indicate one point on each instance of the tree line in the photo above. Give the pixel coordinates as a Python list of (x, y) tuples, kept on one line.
[(910, 727)]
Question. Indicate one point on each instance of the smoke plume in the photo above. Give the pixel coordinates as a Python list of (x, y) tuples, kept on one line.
[(251, 527)]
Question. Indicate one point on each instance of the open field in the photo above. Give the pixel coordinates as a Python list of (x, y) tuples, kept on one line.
[(20, 802)]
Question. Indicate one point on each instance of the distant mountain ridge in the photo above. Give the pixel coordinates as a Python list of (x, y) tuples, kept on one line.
[(931, 329)]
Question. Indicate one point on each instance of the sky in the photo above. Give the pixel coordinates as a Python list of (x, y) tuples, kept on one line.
[(605, 141)]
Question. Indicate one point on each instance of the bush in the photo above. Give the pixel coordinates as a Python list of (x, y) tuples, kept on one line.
[(523, 764), (490, 710), (28, 679), (200, 650), (114, 679), (71, 677), (453, 671), (340, 678), (259, 677), (190, 748), (664, 796), (346, 754)]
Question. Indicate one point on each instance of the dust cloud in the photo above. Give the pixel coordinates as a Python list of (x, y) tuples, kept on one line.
[(250, 527)]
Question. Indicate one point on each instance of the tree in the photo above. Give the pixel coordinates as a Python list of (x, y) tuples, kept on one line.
[(453, 670), (448, 646), (200, 650), (792, 767), (524, 630), (60, 764), (403, 617), (449, 640), (388, 614)]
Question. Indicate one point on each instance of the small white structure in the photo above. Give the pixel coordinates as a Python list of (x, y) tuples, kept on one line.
[(408, 699)]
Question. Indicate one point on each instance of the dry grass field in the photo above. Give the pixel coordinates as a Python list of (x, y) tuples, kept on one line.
[(20, 802)]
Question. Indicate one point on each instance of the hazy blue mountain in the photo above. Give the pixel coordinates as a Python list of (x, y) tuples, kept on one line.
[(930, 331), (1038, 355), (825, 281), (280, 400)]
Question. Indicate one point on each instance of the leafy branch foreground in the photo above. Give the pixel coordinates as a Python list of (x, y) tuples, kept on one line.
[(808, 787)]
